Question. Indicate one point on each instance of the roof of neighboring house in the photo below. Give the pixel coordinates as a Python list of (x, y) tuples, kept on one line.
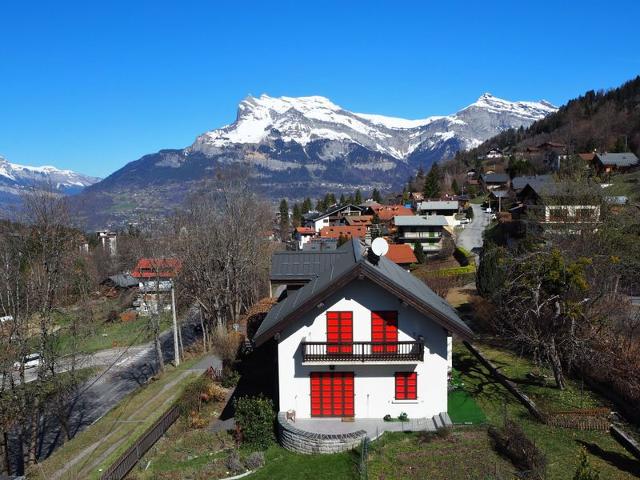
[(587, 157), (551, 145), (336, 210), (358, 219), (518, 183), (617, 200), (495, 177), (355, 265), (401, 254), (122, 280), (344, 231), (618, 159), (156, 267), (438, 205), (387, 213), (305, 230), (499, 193), (304, 264), (421, 221)]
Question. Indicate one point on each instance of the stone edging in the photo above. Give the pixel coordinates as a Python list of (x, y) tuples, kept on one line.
[(301, 441)]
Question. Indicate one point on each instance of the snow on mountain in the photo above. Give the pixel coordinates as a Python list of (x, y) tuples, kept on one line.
[(303, 120), (14, 177)]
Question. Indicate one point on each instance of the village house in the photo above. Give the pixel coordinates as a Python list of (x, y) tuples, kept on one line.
[(332, 216), (493, 181), (344, 231), (493, 153), (426, 230), (303, 235), (606, 163), (402, 254), (387, 213), (363, 338), (108, 241), (446, 208), (155, 281)]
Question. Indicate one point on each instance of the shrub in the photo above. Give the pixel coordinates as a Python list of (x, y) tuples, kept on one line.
[(230, 377), (226, 344), (255, 415), (213, 392), (403, 417), (255, 460), (234, 464), (469, 212), (461, 256), (512, 442), (191, 399), (585, 471)]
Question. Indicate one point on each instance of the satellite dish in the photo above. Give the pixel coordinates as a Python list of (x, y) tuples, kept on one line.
[(379, 247)]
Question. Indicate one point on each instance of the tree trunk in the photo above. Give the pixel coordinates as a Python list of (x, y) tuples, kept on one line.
[(4, 454), (33, 435), (556, 366), (204, 332)]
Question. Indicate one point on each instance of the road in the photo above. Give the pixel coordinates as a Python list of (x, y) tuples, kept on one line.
[(471, 237), (128, 369)]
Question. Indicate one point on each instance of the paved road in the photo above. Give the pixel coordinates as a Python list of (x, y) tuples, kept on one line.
[(129, 369), (471, 237)]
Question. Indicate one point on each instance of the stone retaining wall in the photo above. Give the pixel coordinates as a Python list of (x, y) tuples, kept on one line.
[(301, 441)]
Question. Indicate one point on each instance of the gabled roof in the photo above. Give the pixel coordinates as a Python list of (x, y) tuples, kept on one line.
[(387, 213), (438, 205), (401, 254), (343, 231), (499, 194), (338, 209), (386, 274), (421, 221), (495, 177), (156, 267), (121, 280), (518, 183), (618, 159), (358, 219), (305, 230)]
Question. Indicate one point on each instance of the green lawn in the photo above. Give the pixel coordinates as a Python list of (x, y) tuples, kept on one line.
[(463, 409), (284, 465), (561, 445)]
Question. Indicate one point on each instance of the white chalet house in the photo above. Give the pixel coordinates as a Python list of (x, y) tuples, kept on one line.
[(361, 338)]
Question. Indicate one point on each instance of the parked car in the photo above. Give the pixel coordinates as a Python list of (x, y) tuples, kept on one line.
[(30, 361), (488, 210)]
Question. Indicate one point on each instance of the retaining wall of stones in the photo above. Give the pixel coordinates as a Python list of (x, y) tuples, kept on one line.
[(300, 441)]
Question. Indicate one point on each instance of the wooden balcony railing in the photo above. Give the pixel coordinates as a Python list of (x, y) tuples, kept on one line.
[(362, 351)]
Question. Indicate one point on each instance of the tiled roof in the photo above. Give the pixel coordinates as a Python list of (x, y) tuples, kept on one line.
[(343, 230), (387, 213), (354, 265), (305, 230), (156, 267), (401, 254)]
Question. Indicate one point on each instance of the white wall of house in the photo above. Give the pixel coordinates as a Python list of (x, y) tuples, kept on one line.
[(374, 384), (322, 222), (302, 240)]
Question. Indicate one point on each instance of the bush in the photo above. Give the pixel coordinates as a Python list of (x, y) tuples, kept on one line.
[(469, 212), (512, 442), (462, 256), (213, 392), (403, 417), (191, 399), (234, 464), (230, 377), (255, 460), (585, 471), (226, 344), (256, 415)]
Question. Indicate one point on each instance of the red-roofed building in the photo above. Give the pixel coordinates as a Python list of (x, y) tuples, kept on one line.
[(345, 231), (386, 213), (152, 268), (303, 235), (401, 254)]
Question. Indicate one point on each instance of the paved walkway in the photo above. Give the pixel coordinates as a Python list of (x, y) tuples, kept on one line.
[(373, 426)]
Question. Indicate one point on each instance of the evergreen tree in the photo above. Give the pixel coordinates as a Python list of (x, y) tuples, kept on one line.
[(585, 471), (420, 174), (432, 182), (419, 252), (284, 220), (455, 187), (306, 205), (375, 195), (297, 216), (342, 239), (342, 199), (320, 206), (358, 197)]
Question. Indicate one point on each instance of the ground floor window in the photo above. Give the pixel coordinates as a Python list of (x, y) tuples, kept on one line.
[(406, 385), (332, 394)]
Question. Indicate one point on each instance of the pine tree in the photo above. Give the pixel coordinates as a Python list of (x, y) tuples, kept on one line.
[(455, 187), (297, 216), (358, 197), (432, 182), (306, 205), (342, 199), (284, 220), (418, 251), (585, 471), (320, 206), (375, 195)]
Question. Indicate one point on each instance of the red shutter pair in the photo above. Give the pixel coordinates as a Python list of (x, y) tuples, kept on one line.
[(406, 385), (339, 332), (332, 394)]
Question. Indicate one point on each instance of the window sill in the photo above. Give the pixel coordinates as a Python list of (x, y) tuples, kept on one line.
[(404, 401)]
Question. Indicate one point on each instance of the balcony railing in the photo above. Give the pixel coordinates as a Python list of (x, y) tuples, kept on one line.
[(362, 351)]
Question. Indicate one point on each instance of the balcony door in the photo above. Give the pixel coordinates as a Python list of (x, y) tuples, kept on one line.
[(339, 331), (332, 394), (384, 332)]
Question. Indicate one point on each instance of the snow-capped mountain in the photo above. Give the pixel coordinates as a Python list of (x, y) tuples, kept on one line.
[(294, 147), (15, 179)]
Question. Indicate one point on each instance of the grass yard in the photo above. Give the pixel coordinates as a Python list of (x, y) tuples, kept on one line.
[(103, 442), (463, 409), (284, 465), (560, 445)]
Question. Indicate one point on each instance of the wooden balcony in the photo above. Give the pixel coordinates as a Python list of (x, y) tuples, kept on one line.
[(362, 352)]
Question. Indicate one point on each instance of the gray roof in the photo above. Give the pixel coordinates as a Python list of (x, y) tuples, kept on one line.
[(618, 159), (438, 205), (617, 200), (337, 209), (518, 183), (420, 221), (495, 177), (499, 193), (122, 280), (304, 264), (355, 264)]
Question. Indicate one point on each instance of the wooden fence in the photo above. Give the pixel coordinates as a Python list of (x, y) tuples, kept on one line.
[(123, 465)]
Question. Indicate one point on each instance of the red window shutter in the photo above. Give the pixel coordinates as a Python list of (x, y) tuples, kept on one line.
[(339, 330), (332, 394), (384, 329), (406, 385)]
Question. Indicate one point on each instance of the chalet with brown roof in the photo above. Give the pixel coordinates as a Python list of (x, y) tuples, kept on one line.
[(386, 213), (344, 231), (402, 254)]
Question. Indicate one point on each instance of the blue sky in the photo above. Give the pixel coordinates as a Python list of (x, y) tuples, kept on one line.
[(93, 85)]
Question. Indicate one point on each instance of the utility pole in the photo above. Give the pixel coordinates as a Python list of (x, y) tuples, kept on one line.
[(176, 346)]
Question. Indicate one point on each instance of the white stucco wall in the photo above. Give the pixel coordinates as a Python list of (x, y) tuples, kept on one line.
[(374, 384)]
